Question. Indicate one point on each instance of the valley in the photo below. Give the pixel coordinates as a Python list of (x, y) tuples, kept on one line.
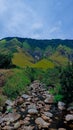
[(36, 84)]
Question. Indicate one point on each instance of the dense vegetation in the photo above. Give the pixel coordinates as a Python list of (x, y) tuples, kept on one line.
[(66, 80), (31, 52), (44, 60), (5, 60), (16, 84)]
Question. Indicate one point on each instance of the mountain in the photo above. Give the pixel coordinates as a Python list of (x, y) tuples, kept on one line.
[(37, 53)]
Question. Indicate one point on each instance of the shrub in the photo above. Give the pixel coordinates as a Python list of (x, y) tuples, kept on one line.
[(66, 80), (5, 60), (16, 84), (57, 93)]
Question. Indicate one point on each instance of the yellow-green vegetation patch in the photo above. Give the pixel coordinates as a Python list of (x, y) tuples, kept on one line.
[(21, 59), (61, 60), (44, 64)]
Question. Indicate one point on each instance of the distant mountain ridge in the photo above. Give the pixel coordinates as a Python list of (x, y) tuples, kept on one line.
[(31, 52), (55, 42)]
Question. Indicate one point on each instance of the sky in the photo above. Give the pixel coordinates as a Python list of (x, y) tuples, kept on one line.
[(39, 19)]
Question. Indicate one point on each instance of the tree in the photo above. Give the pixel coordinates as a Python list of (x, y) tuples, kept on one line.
[(66, 80), (5, 60)]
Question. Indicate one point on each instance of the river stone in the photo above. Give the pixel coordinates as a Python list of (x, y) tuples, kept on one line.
[(45, 118), (69, 108), (48, 114), (28, 128), (49, 99), (11, 117), (61, 129), (9, 103), (20, 101), (16, 125), (41, 123), (32, 111), (69, 117), (61, 105), (25, 96), (7, 128), (32, 106)]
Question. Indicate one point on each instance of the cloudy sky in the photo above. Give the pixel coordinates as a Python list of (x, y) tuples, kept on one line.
[(41, 19)]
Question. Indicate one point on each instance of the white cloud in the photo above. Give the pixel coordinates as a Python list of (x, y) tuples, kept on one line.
[(19, 18)]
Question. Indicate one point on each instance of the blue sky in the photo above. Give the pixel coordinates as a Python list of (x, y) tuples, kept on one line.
[(40, 19)]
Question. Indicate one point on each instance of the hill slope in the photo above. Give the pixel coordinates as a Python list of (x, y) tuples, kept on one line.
[(31, 52)]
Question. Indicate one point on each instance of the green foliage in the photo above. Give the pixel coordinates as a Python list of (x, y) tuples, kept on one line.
[(9, 110), (58, 97), (51, 76), (16, 84), (5, 60), (56, 91), (66, 80)]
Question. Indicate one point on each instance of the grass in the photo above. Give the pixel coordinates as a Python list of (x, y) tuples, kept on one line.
[(22, 60), (59, 59), (44, 64), (16, 84)]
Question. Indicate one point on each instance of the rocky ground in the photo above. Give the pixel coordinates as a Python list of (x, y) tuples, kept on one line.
[(36, 110)]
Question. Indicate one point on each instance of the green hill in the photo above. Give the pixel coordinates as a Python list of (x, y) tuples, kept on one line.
[(44, 64), (36, 53)]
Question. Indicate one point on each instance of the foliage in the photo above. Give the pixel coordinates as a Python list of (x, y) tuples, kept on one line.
[(5, 60), (66, 80), (58, 97), (16, 84), (56, 91)]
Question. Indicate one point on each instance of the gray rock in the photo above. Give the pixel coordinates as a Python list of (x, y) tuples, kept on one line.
[(61, 129), (28, 128), (32, 106), (69, 108), (25, 96), (61, 105), (49, 99), (9, 103), (32, 111), (41, 123), (16, 125), (7, 128), (48, 114), (11, 117), (69, 117)]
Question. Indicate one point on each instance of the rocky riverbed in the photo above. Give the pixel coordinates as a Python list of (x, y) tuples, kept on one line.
[(36, 110)]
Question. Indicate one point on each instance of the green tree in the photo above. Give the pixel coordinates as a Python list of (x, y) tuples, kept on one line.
[(5, 60), (66, 80)]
